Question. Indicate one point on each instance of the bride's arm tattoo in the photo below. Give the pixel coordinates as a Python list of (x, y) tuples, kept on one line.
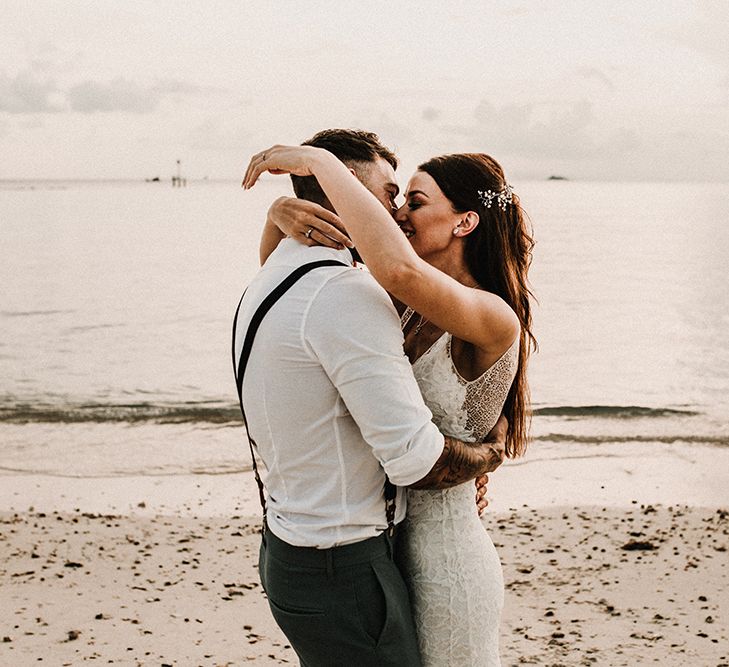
[(460, 462)]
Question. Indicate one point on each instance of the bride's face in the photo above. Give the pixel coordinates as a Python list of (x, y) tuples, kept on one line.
[(427, 216)]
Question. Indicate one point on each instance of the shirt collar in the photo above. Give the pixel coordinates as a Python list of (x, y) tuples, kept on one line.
[(290, 251)]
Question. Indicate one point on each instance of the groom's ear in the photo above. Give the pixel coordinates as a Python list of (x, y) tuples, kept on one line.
[(468, 223)]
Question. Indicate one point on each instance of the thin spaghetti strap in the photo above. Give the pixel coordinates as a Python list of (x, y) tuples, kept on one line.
[(406, 317)]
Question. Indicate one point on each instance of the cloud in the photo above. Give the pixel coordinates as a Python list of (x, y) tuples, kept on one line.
[(220, 134), (177, 87), (598, 75), (523, 10), (430, 114), (526, 130), (579, 142), (534, 139), (623, 140), (704, 31), (30, 92), (26, 93), (33, 91), (121, 94), (117, 95)]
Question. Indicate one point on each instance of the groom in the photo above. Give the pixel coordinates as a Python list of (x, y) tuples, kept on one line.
[(336, 415)]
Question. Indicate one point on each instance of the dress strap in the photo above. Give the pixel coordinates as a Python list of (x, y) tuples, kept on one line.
[(406, 317)]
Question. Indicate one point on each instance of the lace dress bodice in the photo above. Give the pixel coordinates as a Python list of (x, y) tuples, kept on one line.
[(449, 561), (464, 409)]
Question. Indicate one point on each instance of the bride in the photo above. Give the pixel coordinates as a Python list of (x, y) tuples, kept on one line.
[(459, 271)]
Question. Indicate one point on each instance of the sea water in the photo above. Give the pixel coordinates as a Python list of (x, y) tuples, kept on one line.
[(117, 301)]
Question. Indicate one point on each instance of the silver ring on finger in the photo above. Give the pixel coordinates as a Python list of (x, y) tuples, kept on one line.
[(308, 232)]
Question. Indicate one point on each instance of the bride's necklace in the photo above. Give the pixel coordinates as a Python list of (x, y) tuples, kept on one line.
[(406, 317)]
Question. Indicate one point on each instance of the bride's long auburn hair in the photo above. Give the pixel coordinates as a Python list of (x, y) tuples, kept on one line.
[(498, 253)]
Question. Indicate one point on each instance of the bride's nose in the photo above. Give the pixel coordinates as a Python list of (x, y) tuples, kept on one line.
[(400, 214)]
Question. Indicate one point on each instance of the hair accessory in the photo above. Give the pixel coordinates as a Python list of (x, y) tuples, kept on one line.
[(503, 197)]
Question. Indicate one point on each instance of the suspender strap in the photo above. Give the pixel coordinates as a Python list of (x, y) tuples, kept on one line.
[(240, 369), (390, 493)]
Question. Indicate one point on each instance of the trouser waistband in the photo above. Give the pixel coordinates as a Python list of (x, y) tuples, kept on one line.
[(347, 554)]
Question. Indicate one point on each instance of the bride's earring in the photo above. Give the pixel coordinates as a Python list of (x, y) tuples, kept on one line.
[(455, 231)]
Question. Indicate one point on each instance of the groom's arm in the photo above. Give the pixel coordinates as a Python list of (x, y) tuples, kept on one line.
[(271, 235), (353, 331), (462, 461)]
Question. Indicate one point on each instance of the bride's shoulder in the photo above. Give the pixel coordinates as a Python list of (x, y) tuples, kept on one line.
[(472, 361), (495, 323)]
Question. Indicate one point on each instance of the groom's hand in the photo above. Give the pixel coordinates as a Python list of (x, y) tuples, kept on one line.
[(463, 461)]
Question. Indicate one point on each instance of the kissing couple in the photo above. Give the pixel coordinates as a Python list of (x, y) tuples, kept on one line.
[(367, 393)]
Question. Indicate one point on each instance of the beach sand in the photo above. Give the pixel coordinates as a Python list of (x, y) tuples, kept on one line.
[(611, 557), (584, 586)]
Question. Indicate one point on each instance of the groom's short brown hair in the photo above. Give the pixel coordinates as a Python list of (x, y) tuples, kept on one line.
[(355, 148)]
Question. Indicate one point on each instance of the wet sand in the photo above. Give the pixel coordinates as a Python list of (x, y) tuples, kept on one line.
[(584, 586)]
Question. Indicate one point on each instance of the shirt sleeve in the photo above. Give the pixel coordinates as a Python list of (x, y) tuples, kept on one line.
[(354, 332)]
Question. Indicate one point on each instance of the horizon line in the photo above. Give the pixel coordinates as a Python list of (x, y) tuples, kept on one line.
[(222, 179)]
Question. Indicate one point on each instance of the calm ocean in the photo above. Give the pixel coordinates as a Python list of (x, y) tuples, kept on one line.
[(117, 301)]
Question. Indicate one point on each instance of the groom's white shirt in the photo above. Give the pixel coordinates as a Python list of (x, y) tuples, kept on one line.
[(331, 400)]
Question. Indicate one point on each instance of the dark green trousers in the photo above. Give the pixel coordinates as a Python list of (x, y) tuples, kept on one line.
[(343, 606)]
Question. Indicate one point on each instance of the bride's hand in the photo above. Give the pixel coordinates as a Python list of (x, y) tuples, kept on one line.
[(496, 440), (482, 502), (308, 223), (297, 160)]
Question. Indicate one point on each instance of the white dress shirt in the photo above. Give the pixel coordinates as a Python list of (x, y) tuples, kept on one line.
[(331, 400)]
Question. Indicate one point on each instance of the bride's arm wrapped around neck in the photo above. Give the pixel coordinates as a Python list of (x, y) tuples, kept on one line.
[(473, 315)]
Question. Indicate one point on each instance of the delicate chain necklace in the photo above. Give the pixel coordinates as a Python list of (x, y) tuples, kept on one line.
[(407, 316), (420, 324)]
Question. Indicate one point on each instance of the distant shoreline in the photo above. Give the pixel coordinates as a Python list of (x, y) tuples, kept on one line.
[(166, 181)]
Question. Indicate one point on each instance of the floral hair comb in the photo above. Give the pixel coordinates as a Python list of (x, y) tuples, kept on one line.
[(502, 197)]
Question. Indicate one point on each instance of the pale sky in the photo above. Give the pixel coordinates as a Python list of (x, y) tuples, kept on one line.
[(607, 90)]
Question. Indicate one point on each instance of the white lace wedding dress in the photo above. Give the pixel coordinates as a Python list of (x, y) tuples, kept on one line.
[(448, 559)]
